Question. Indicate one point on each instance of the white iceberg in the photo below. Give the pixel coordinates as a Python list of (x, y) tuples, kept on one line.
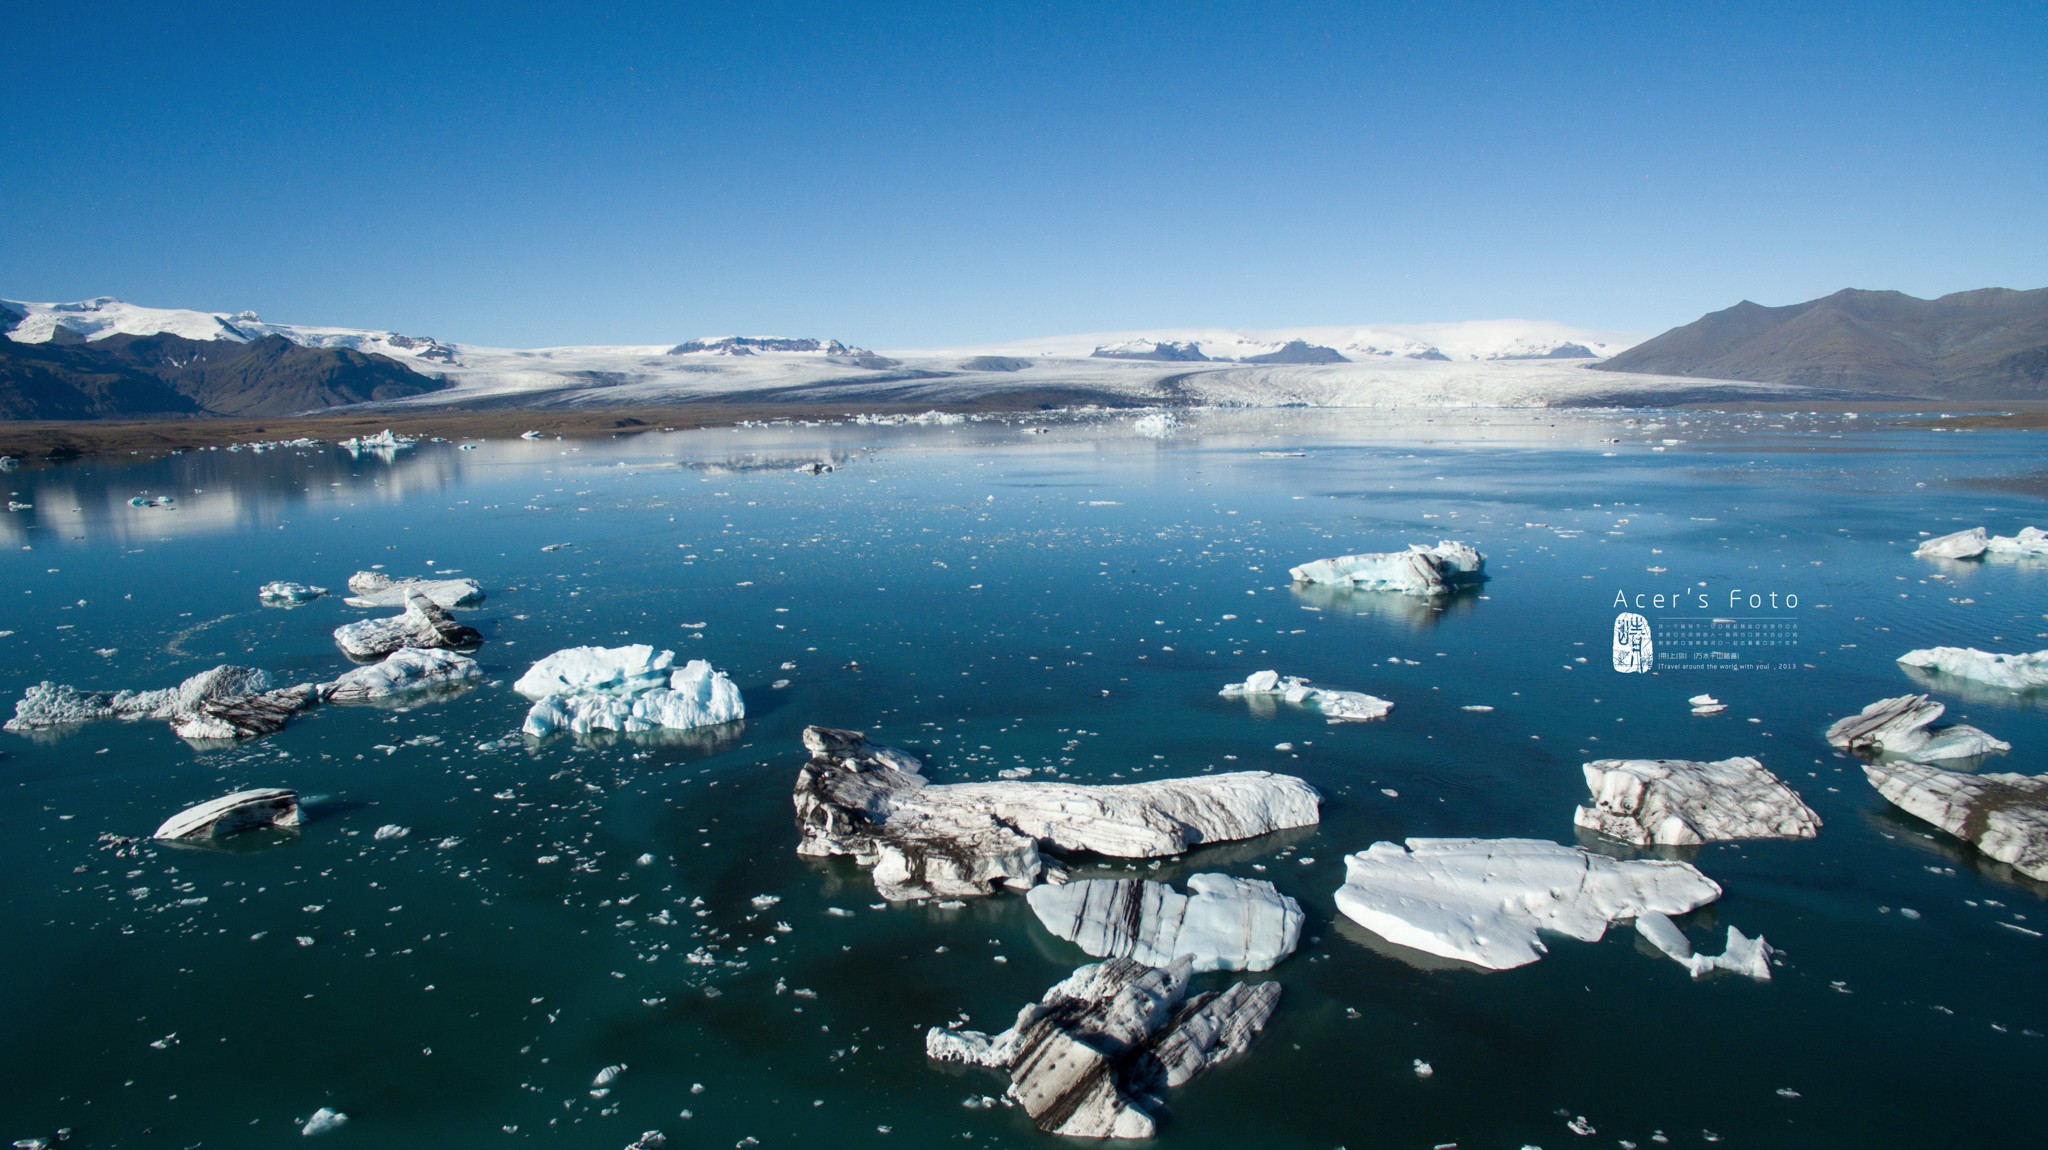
[(376, 589), (1157, 425), (2004, 815), (325, 1120), (966, 839), (1961, 545), (2030, 541), (2012, 672), (1488, 901), (263, 806), (226, 702), (1679, 802), (1222, 923), (1336, 706), (288, 594), (1902, 726), (1743, 955), (630, 689), (1090, 1058), (1419, 570), (403, 671), (425, 624)]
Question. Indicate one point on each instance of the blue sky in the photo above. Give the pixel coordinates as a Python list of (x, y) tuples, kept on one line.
[(914, 175)]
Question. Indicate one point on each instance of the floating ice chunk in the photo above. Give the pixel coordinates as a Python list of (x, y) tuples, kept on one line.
[(1743, 955), (1961, 545), (288, 594), (263, 806), (2030, 541), (1902, 726), (1082, 1056), (243, 716), (586, 689), (2013, 672), (597, 670), (964, 839), (376, 589), (1485, 901), (1678, 802), (402, 672), (2004, 815), (390, 831), (325, 1120), (50, 704), (1417, 571), (425, 624), (1157, 425), (1336, 706), (1223, 923), (1706, 705)]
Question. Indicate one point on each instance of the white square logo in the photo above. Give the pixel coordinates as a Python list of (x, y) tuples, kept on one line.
[(1633, 651)]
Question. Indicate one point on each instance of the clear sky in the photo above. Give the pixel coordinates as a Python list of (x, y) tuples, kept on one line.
[(902, 174)]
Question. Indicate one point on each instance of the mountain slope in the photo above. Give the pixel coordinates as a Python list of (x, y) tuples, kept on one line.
[(1986, 344)]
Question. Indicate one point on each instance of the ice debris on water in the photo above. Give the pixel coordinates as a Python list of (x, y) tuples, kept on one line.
[(1706, 705), (1336, 706), (1419, 570), (631, 688), (324, 1121)]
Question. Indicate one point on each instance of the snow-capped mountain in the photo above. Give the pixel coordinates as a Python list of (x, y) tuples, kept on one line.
[(105, 316), (1468, 342)]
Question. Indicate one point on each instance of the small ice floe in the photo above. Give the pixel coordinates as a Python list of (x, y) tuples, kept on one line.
[(764, 901), (631, 688), (2004, 815), (608, 1075), (1902, 726), (1222, 923), (376, 589), (2012, 672), (1706, 705), (529, 435), (1750, 957), (1487, 901), (1081, 1058), (404, 671), (1419, 570), (1336, 706), (282, 594), (556, 546), (815, 467), (968, 839), (1157, 425), (390, 831), (651, 1139), (1977, 543), (241, 811), (1476, 708), (424, 625), (146, 501), (1423, 1069), (1679, 802), (383, 443), (325, 1120)]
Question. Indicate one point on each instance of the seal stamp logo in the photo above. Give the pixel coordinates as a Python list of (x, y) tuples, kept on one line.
[(1633, 652)]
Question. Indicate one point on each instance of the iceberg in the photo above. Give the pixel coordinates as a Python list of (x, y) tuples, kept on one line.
[(1961, 545), (1743, 955), (1417, 571), (2012, 672), (403, 671), (425, 624), (1222, 923), (2031, 541), (967, 839), (1487, 901), (631, 689), (1336, 706), (2004, 815), (1678, 802), (264, 806), (376, 589), (243, 716), (288, 594), (1089, 1059), (49, 704), (1901, 726)]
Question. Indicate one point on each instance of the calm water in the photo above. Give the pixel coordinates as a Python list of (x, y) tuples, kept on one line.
[(1069, 602)]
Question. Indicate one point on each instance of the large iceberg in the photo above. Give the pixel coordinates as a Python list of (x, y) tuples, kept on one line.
[(1679, 802), (1488, 901), (632, 689), (50, 704), (2012, 672), (425, 624), (1222, 923), (2005, 815), (1902, 726), (264, 806), (1417, 571), (1090, 1058), (1336, 706), (1977, 542), (402, 672), (962, 839), (376, 589)]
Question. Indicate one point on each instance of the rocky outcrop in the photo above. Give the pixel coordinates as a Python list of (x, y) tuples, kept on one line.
[(1903, 726), (1336, 706), (243, 810), (1679, 802), (2003, 815), (1222, 923), (1419, 570), (424, 625), (966, 839)]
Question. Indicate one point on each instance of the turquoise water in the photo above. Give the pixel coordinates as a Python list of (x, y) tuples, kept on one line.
[(1069, 602)]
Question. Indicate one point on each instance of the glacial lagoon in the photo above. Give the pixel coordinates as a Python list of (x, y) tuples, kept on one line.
[(1050, 594)]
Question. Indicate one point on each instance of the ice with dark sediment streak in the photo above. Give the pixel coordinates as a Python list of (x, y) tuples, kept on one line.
[(1336, 706), (1222, 923), (376, 589), (243, 810), (1419, 570), (1089, 1059), (402, 672), (1743, 955), (1489, 901), (1903, 726), (965, 839), (2003, 815), (1680, 802), (425, 624), (49, 704), (243, 716), (2025, 672), (632, 689)]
